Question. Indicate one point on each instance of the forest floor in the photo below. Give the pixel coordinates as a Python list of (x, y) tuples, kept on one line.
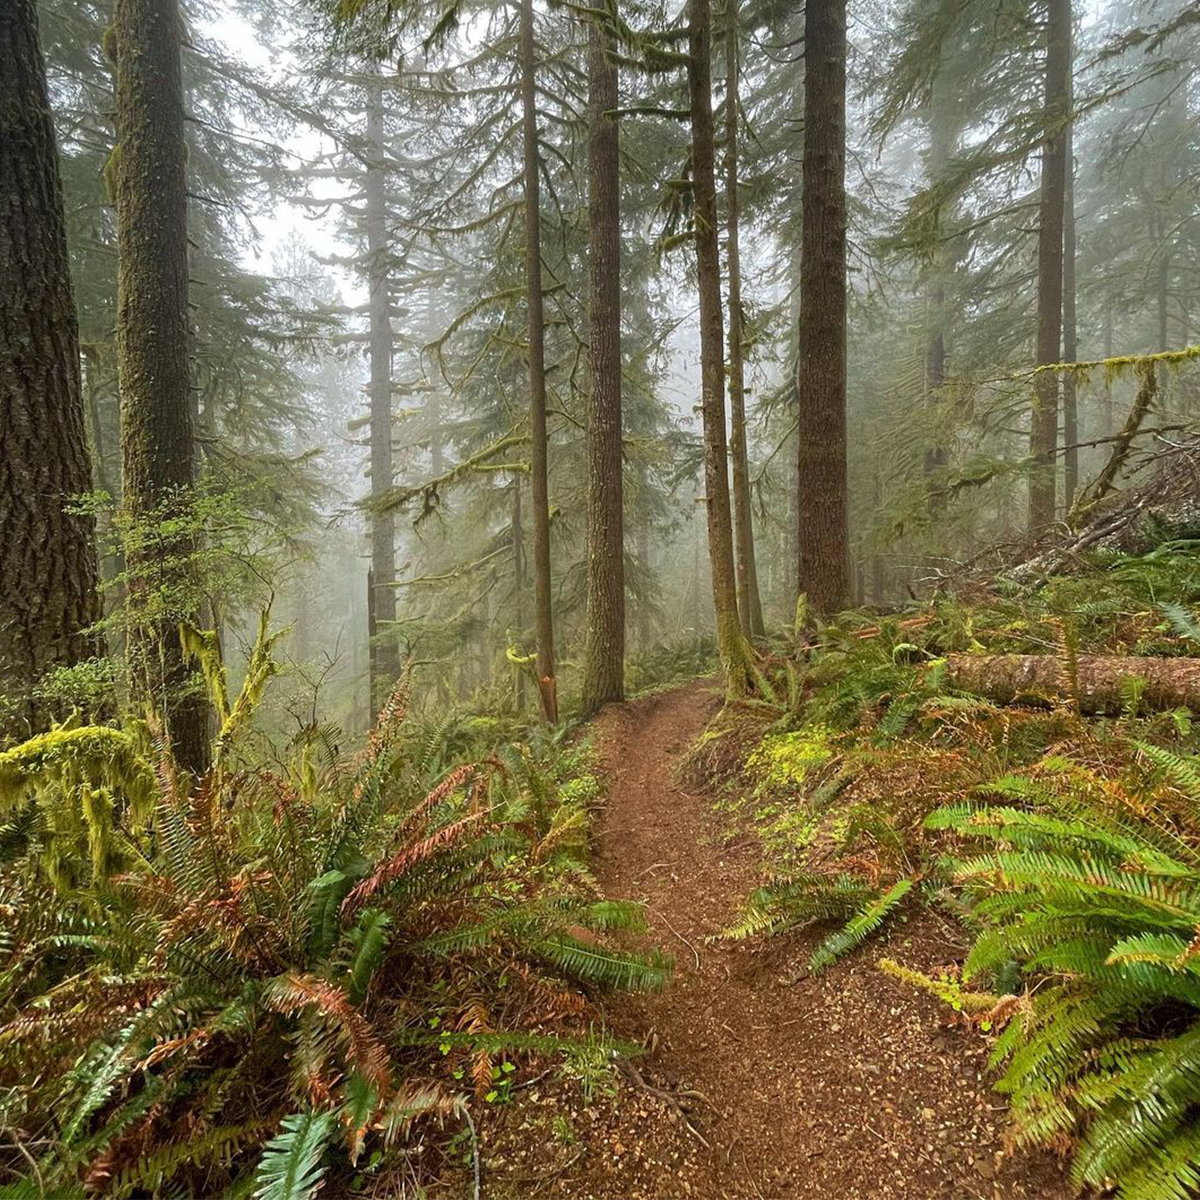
[(759, 1082)]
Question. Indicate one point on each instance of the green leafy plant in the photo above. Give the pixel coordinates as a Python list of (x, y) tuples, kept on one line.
[(291, 1163), (795, 901), (275, 954), (1092, 886)]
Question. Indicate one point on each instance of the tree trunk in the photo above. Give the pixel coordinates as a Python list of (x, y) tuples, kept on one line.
[(748, 597), (1100, 684), (385, 656), (878, 585), (157, 448), (791, 449), (944, 125), (1164, 283), (734, 651), (1043, 427), (1070, 334), (539, 473), (1110, 424), (48, 595), (518, 550), (824, 557), (372, 650), (437, 436), (604, 656)]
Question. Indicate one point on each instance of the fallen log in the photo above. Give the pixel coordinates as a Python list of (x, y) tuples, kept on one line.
[(1096, 689)]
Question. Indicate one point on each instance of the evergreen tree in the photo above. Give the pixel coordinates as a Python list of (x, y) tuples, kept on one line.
[(730, 640), (539, 480), (1043, 429), (604, 655), (153, 334), (385, 662), (749, 601), (824, 573), (48, 599)]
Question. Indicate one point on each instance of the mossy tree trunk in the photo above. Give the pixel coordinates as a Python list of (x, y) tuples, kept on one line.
[(1093, 684), (48, 595), (604, 655), (734, 649), (1070, 338), (749, 600), (153, 334), (538, 457), (518, 583), (824, 555)]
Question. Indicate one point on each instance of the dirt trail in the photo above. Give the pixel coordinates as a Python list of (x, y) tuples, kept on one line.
[(848, 1085)]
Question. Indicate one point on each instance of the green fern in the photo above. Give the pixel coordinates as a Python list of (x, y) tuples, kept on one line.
[(601, 965), (1103, 909), (231, 976), (792, 901), (368, 940), (290, 1168), (859, 927), (213, 1147)]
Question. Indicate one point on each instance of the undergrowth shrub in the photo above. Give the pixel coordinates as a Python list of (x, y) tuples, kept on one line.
[(1089, 882), (670, 663), (862, 737), (256, 981)]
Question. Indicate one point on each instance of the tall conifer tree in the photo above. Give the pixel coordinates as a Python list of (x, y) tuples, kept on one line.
[(543, 615), (153, 335), (1043, 429), (824, 571), (604, 660), (749, 601), (47, 556), (731, 643), (385, 661)]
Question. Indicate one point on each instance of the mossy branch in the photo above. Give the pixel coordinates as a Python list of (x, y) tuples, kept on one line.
[(430, 491)]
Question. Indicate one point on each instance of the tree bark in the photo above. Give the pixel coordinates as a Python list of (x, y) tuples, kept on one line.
[(791, 448), (538, 467), (48, 595), (157, 448), (1070, 335), (604, 654), (824, 556), (518, 553), (1099, 685), (749, 600), (944, 126), (385, 655), (731, 643), (1110, 424), (1043, 427)]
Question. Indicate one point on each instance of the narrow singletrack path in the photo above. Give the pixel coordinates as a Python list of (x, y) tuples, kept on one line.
[(831, 1088)]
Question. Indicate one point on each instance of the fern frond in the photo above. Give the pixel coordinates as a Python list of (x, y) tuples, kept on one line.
[(859, 928), (290, 1168), (610, 968), (368, 940), (289, 994)]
